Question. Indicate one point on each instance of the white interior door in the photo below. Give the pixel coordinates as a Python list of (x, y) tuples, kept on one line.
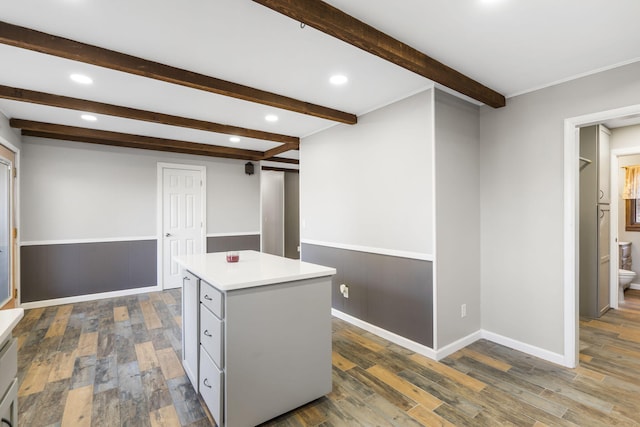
[(183, 231)]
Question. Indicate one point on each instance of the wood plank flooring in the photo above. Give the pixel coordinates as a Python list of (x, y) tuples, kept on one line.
[(116, 362)]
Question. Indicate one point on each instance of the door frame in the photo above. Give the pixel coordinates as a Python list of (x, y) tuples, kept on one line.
[(571, 224), (160, 212), (15, 219)]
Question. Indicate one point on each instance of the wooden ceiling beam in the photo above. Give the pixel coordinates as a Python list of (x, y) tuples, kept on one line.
[(278, 150), (25, 95), (26, 38), (285, 160), (94, 136), (340, 25)]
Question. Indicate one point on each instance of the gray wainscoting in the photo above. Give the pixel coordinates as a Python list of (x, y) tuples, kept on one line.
[(393, 293), (233, 243), (67, 270)]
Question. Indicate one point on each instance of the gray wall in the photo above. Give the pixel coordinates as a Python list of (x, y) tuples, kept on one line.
[(457, 135), (233, 243), (393, 293), (58, 271), (521, 187)]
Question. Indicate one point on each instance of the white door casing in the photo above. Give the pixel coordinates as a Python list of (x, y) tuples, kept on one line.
[(181, 210)]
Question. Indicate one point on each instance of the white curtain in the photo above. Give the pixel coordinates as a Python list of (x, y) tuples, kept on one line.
[(631, 182)]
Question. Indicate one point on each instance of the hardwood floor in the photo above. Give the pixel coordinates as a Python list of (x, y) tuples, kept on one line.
[(116, 362)]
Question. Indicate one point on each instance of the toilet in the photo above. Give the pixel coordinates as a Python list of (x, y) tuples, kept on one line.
[(624, 280)]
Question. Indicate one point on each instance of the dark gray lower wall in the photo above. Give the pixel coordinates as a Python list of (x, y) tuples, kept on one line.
[(67, 270), (233, 243), (393, 293)]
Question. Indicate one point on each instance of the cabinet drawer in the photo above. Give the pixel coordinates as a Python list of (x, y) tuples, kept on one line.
[(212, 335), (9, 404), (8, 365), (211, 386), (211, 298)]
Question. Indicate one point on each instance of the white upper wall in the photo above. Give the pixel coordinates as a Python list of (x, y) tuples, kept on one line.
[(370, 184), (521, 178), (74, 191)]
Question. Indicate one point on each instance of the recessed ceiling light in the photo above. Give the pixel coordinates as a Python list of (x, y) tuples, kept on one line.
[(88, 117), (338, 79), (271, 118), (81, 78), (234, 139)]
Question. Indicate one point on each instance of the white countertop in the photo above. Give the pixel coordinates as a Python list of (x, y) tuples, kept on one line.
[(253, 269), (8, 320)]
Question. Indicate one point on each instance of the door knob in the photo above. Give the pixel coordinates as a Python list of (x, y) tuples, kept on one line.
[(168, 235)]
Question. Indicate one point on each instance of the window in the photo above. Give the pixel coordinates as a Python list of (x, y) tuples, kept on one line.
[(632, 215)]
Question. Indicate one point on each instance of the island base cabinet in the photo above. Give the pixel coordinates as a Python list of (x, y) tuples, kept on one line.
[(190, 326), (262, 331), (211, 383)]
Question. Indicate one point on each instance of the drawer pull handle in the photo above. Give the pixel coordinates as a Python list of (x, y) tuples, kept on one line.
[(207, 297), (185, 278), (206, 383), (207, 333)]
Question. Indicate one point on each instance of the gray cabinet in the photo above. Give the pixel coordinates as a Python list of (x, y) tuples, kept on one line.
[(211, 350), (190, 326), (263, 350), (9, 381), (594, 221)]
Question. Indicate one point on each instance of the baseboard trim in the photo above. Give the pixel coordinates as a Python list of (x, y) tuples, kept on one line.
[(449, 349), (538, 352), (383, 333), (89, 297), (635, 286)]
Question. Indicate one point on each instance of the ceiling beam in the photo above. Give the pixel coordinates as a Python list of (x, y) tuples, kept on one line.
[(278, 150), (27, 38), (338, 24), (271, 168), (285, 160), (25, 95), (94, 136)]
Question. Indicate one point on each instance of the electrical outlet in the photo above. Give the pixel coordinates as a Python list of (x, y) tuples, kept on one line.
[(463, 310), (344, 290)]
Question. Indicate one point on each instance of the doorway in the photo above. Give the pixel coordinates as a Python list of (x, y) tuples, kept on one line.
[(571, 222), (8, 292), (280, 211), (181, 218)]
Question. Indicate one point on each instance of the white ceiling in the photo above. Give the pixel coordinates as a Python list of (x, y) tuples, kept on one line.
[(511, 46)]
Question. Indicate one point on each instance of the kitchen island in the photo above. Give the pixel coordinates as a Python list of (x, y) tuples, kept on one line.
[(256, 334)]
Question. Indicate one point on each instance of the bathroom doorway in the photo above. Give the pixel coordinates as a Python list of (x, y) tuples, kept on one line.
[(628, 235), (630, 116)]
